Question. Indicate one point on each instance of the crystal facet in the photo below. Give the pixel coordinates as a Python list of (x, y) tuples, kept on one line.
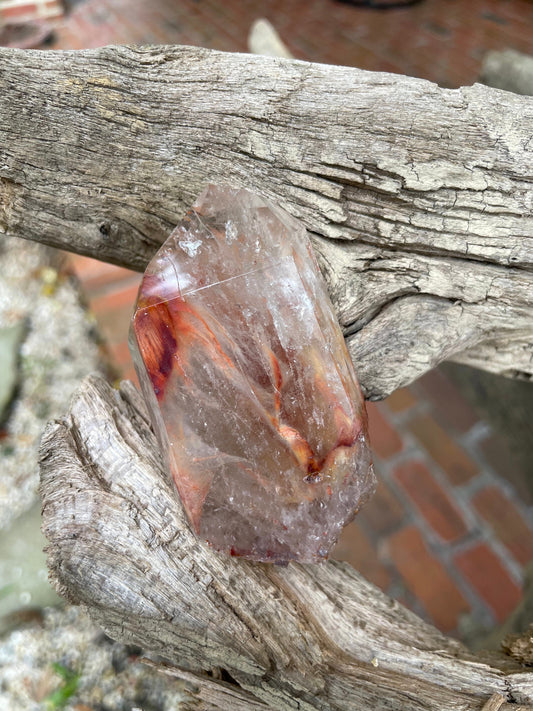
[(251, 389)]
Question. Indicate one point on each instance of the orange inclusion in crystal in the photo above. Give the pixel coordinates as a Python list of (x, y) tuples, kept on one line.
[(175, 327)]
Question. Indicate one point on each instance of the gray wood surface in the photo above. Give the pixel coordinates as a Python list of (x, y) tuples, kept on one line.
[(301, 637), (418, 198)]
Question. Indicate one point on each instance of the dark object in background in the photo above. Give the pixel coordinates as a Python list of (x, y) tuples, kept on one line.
[(69, 5), (11, 338), (380, 4)]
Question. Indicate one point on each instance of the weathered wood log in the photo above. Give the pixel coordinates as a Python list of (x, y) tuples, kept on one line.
[(509, 70), (418, 198), (303, 636)]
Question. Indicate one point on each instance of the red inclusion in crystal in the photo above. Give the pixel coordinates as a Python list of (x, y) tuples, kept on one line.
[(157, 344)]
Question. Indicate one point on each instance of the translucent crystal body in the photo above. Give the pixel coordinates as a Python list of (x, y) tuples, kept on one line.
[(251, 389)]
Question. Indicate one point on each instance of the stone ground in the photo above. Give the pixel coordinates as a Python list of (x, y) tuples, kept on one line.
[(447, 533), (57, 349), (63, 661)]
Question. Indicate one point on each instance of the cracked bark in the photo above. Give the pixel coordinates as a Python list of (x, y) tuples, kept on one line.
[(418, 198), (240, 635)]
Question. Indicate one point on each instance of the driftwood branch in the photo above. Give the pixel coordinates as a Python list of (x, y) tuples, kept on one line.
[(243, 635), (418, 198)]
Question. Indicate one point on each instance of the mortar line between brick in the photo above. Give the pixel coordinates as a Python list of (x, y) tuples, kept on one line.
[(480, 612), (478, 529)]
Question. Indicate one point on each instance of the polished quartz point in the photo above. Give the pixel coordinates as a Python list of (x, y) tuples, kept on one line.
[(252, 393)]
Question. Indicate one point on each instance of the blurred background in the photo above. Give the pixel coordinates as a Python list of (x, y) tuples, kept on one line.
[(450, 530)]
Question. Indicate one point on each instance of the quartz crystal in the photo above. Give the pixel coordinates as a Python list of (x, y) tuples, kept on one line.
[(252, 392)]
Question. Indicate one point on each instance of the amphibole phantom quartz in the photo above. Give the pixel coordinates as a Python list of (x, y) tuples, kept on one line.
[(252, 393)]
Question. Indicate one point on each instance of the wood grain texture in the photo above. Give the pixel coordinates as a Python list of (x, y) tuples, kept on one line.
[(494, 703), (301, 637), (419, 199)]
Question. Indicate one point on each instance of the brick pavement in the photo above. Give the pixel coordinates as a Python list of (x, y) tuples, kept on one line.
[(446, 533)]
